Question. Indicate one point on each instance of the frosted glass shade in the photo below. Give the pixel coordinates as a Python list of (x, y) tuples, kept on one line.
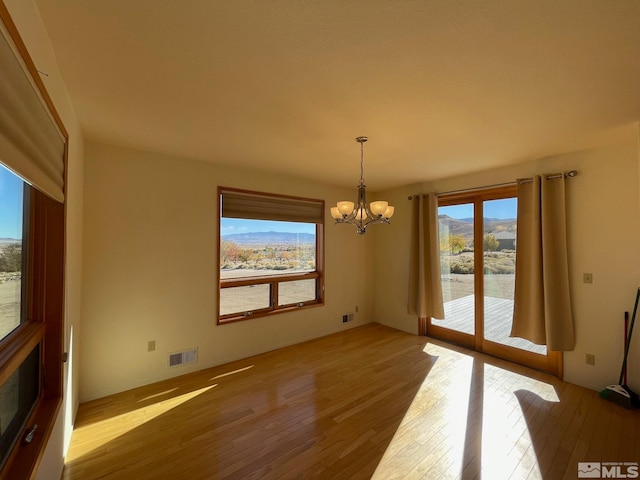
[(378, 208), (362, 213), (388, 213), (345, 208), (335, 213)]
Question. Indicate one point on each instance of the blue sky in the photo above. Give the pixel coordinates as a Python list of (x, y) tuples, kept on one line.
[(237, 225), (11, 213), (505, 208), (10, 204)]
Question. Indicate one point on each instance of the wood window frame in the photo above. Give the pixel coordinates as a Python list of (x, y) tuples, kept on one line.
[(273, 281), (44, 326)]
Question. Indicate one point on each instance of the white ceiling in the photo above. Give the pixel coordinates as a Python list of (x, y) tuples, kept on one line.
[(440, 87)]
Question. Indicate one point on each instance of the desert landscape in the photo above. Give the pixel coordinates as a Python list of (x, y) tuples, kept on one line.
[(10, 286)]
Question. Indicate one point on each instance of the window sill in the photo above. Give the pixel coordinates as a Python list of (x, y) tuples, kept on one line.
[(267, 312)]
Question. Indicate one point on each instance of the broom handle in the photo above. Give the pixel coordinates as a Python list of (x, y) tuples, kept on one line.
[(626, 332), (628, 342)]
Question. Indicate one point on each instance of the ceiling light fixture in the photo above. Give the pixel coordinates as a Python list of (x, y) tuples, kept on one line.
[(360, 214)]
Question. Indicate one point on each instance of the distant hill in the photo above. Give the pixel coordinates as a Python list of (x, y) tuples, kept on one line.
[(464, 226), (5, 240), (486, 219), (270, 238), (456, 226)]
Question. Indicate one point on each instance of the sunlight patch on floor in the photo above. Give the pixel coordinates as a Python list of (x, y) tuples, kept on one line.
[(93, 436), (410, 453), (226, 374), (471, 398), (156, 395)]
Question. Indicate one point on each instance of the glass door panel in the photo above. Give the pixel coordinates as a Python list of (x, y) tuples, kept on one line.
[(456, 225), (499, 255)]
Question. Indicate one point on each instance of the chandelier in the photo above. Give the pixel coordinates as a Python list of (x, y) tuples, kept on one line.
[(360, 214)]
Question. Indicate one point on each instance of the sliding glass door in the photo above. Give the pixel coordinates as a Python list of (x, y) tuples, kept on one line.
[(478, 241)]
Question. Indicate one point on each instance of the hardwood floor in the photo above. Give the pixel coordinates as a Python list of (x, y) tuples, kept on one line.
[(370, 402)]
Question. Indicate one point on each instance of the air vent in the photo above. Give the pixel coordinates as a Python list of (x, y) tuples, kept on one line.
[(348, 317), (186, 356)]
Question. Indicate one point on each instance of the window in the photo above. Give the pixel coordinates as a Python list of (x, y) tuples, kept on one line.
[(270, 254), (19, 393), (31, 279)]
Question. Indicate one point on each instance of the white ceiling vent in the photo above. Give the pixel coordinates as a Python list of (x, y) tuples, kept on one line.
[(186, 356)]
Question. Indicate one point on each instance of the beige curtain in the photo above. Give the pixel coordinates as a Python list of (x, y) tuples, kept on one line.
[(425, 289), (542, 308)]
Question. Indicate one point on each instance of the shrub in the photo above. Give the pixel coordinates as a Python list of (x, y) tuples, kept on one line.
[(491, 243), (461, 264), (461, 268), (500, 264)]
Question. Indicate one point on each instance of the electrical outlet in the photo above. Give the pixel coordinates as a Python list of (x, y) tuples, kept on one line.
[(151, 346), (590, 359)]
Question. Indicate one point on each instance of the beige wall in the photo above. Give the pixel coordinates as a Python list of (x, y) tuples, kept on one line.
[(604, 234), (149, 240), (29, 24), (150, 232)]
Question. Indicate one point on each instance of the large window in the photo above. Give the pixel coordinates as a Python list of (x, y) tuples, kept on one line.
[(19, 393), (31, 279), (270, 254)]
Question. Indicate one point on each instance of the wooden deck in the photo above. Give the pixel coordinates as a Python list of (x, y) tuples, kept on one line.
[(370, 402), (459, 315)]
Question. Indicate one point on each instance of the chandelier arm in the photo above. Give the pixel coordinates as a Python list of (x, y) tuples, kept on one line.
[(350, 217), (361, 225)]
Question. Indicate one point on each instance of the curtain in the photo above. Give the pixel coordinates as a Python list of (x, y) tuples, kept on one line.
[(425, 289), (542, 306)]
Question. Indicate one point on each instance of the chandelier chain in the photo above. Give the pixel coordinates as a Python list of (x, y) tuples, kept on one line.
[(361, 163)]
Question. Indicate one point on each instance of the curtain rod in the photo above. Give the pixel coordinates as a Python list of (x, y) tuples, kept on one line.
[(570, 174)]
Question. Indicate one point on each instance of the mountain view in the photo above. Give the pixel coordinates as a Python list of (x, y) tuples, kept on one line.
[(464, 226), (255, 239)]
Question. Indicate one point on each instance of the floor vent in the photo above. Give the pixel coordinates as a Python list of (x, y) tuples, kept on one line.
[(186, 356)]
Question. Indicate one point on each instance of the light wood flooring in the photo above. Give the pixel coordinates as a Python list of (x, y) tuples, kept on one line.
[(370, 402)]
